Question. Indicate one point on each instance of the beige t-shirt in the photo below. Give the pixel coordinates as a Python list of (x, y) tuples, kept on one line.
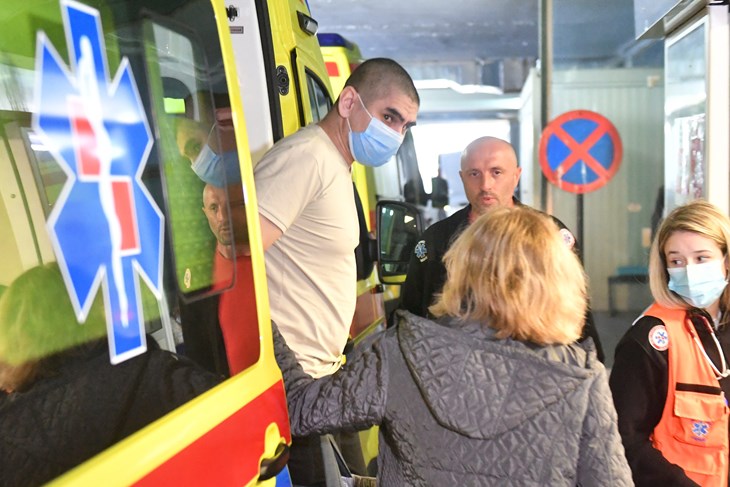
[(304, 187)]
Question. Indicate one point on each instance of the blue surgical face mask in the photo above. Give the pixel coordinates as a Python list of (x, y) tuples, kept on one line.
[(217, 169), (377, 144), (699, 284)]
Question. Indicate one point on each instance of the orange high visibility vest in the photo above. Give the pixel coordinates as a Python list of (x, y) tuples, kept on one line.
[(693, 430)]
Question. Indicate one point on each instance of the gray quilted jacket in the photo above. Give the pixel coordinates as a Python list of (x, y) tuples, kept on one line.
[(458, 407)]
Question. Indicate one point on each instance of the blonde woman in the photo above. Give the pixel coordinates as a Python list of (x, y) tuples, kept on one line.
[(670, 376), (495, 391)]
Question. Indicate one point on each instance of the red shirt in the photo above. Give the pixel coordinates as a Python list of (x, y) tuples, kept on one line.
[(237, 311)]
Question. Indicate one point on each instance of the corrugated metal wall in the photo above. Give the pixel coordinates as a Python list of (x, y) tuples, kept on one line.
[(617, 217)]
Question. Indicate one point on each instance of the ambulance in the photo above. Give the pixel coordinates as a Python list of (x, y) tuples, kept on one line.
[(117, 118)]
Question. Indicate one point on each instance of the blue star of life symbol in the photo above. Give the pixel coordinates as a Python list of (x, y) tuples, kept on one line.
[(700, 430), (421, 251), (105, 228)]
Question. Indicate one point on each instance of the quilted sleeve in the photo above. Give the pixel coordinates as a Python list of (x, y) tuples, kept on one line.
[(352, 399), (601, 460)]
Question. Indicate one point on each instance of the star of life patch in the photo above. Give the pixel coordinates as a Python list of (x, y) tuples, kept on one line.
[(700, 430), (659, 338), (568, 237), (421, 251)]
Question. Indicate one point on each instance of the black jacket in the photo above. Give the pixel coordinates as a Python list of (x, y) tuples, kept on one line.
[(87, 406), (639, 383), (427, 273)]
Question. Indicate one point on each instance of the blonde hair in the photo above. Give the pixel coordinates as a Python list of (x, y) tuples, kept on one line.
[(698, 217), (512, 270)]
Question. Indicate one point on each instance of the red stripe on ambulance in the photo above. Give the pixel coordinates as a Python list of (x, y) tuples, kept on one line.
[(229, 454)]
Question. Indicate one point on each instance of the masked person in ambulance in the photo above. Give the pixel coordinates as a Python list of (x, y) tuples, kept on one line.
[(211, 149), (670, 375)]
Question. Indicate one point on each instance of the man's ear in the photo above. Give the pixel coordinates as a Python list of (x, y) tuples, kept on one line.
[(346, 101)]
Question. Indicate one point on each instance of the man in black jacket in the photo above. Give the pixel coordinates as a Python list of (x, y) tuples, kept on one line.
[(490, 174)]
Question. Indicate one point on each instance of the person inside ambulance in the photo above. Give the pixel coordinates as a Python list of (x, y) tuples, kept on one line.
[(65, 401), (225, 211), (494, 390), (210, 148), (670, 375)]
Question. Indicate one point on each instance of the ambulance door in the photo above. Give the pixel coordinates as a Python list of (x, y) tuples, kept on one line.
[(312, 83), (291, 30), (131, 238), (253, 51)]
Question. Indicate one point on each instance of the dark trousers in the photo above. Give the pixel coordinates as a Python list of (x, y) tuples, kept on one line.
[(306, 465), (315, 459)]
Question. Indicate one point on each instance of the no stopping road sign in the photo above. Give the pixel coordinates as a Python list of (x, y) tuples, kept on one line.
[(580, 151)]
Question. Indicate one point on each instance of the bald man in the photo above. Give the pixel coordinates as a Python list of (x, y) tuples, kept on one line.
[(490, 174)]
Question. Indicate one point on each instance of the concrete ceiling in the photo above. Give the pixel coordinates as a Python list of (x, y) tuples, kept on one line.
[(486, 41)]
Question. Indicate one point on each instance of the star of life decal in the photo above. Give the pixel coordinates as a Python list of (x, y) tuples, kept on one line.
[(421, 251), (659, 338), (106, 230)]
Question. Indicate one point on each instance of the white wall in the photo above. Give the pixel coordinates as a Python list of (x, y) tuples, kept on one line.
[(617, 215)]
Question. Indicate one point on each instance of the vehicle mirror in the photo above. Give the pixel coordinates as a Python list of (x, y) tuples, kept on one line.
[(398, 225)]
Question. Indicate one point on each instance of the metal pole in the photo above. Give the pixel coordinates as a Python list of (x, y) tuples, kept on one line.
[(579, 237), (546, 74)]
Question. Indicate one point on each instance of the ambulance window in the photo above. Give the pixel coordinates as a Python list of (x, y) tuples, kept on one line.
[(99, 211), (49, 177), (216, 308), (319, 101)]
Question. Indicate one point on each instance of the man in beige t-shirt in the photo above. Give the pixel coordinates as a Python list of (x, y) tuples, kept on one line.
[(307, 209)]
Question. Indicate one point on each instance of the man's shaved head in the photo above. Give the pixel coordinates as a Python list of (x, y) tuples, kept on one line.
[(490, 173), (378, 76)]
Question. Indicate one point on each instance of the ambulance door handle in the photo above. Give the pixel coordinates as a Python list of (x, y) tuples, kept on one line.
[(270, 467)]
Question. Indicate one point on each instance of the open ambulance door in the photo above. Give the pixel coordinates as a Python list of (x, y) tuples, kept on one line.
[(141, 79)]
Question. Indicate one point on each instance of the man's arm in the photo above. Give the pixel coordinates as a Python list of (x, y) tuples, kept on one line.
[(590, 331), (293, 165), (270, 233)]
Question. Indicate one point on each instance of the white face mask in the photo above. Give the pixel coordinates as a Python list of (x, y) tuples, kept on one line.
[(699, 284)]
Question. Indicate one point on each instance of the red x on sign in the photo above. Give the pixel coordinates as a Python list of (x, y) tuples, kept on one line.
[(580, 151)]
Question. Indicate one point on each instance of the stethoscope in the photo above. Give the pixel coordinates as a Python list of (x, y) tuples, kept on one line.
[(725, 370)]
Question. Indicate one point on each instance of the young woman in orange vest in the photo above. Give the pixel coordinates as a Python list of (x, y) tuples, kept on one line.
[(670, 376)]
